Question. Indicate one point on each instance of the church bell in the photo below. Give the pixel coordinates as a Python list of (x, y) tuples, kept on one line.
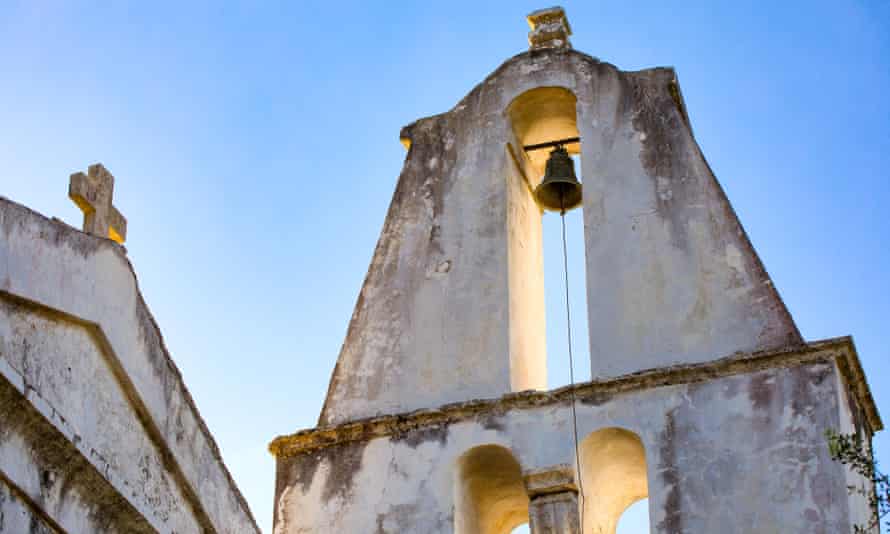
[(560, 189)]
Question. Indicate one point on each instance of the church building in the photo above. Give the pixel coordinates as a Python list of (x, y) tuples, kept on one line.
[(703, 397)]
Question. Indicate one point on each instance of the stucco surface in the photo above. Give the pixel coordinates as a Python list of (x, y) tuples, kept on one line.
[(59, 482), (671, 276), (80, 350), (736, 454), (17, 516)]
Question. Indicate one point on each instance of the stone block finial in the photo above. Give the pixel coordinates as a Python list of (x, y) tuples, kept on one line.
[(549, 29), (92, 192)]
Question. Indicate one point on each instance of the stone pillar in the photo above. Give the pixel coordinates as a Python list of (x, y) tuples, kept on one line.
[(553, 500)]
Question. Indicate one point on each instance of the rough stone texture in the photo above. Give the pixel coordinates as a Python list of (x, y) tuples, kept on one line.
[(553, 500), (549, 29), (59, 484), (17, 516), (557, 479), (671, 275), (97, 430), (731, 453), (93, 193), (556, 513), (446, 310)]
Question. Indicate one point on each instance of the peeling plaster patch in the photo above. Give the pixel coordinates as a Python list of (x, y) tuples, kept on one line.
[(806, 379), (596, 398), (344, 461), (664, 145), (663, 188), (670, 477), (762, 390), (449, 140), (417, 437), (530, 68), (300, 470), (734, 258), (397, 515), (491, 421)]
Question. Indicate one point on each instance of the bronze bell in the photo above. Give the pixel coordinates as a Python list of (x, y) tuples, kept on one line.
[(560, 190)]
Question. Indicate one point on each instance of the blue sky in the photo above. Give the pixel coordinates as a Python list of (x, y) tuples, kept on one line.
[(256, 149)]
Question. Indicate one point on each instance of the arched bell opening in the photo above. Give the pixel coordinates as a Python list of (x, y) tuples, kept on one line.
[(543, 115), (544, 141), (489, 496), (613, 473)]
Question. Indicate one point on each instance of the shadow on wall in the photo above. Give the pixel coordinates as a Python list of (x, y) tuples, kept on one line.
[(490, 497), (613, 462)]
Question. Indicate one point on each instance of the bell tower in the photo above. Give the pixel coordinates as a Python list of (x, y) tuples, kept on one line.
[(437, 417)]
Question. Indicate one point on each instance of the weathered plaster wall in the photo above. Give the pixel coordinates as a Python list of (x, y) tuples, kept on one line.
[(853, 420), (56, 479), (97, 429), (63, 363), (739, 453), (17, 516), (671, 276), (435, 299)]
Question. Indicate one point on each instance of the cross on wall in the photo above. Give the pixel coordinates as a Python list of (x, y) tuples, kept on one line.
[(92, 192)]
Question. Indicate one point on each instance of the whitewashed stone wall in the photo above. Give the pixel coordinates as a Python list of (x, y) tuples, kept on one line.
[(98, 432)]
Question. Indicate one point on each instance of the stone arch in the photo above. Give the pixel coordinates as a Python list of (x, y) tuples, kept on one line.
[(541, 115), (614, 476), (489, 496)]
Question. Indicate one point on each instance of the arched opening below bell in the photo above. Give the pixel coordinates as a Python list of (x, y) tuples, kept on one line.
[(489, 495), (614, 476)]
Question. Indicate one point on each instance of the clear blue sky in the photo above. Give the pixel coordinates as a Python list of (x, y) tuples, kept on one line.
[(256, 150)]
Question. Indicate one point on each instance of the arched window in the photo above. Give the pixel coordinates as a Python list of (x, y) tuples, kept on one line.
[(489, 496), (613, 463)]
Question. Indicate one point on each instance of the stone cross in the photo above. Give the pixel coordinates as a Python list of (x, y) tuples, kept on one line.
[(92, 192), (549, 29)]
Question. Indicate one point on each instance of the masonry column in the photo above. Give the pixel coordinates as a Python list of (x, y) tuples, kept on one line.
[(553, 500)]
